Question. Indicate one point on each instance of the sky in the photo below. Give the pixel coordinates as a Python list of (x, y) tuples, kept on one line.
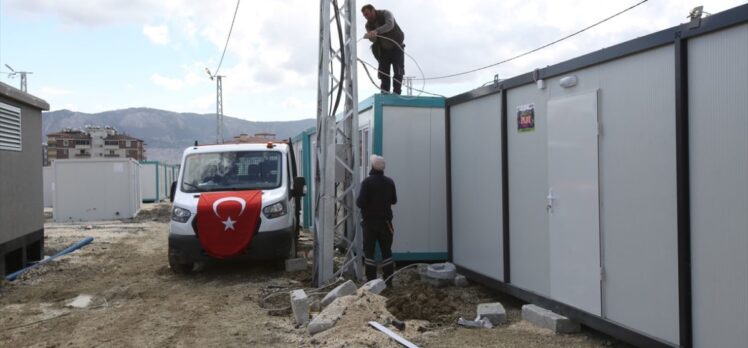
[(99, 55)]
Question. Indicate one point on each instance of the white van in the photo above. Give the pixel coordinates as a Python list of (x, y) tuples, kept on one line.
[(235, 170)]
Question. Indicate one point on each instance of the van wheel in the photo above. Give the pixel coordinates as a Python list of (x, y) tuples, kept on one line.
[(180, 268)]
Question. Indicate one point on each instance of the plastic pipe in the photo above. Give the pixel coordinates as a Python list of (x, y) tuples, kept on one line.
[(76, 246)]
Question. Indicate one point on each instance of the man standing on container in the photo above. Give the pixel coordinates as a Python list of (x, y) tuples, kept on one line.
[(376, 197), (383, 31)]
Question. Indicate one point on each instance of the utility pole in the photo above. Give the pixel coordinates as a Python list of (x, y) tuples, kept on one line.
[(337, 144), (24, 87), (219, 105)]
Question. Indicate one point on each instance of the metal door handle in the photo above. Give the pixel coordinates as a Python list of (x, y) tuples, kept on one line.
[(549, 201)]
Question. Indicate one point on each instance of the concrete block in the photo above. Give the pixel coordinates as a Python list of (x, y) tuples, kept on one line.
[(300, 306), (444, 270), (327, 318), (493, 312), (345, 289), (295, 265), (315, 306), (461, 281), (375, 286), (549, 320)]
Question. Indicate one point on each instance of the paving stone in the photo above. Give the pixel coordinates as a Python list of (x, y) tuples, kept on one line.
[(295, 265), (300, 306), (328, 317), (494, 312), (345, 289), (549, 320), (375, 286)]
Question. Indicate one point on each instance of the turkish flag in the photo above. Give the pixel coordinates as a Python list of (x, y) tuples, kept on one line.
[(227, 221)]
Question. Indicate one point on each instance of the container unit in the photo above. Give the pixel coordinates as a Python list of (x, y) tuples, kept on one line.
[(96, 189), (151, 181), (48, 185), (409, 133), (613, 188), (303, 145), (21, 186)]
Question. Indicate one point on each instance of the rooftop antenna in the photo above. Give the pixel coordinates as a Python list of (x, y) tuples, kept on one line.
[(219, 104), (13, 73)]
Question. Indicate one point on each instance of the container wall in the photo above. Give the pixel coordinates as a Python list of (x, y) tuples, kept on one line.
[(718, 104), (21, 183), (413, 147), (475, 145), (90, 190), (148, 181), (47, 179), (638, 198), (528, 185)]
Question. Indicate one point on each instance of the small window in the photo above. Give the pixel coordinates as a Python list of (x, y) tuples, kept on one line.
[(65, 143), (10, 128)]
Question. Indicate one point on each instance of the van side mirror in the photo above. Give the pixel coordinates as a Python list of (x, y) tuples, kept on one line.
[(172, 191), (298, 186)]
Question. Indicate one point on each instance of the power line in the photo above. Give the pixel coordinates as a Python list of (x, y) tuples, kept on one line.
[(539, 48), (228, 37)]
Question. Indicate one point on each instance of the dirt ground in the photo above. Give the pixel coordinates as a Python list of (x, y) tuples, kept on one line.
[(139, 302)]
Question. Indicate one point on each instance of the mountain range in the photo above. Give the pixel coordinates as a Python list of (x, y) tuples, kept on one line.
[(165, 133)]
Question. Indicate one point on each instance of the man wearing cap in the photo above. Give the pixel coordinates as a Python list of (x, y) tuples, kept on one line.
[(375, 199)]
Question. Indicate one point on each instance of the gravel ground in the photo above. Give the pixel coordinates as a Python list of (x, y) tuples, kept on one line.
[(138, 302)]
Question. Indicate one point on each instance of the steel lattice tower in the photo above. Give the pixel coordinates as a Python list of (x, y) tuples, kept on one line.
[(337, 175)]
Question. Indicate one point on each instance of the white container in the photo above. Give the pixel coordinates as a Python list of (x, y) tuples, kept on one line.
[(96, 189), (47, 177)]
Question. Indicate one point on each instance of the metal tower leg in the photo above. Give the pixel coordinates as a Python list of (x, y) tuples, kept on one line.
[(337, 144)]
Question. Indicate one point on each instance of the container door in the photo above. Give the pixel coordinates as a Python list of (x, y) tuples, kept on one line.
[(573, 201)]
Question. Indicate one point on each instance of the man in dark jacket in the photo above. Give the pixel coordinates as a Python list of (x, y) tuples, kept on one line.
[(383, 31), (375, 199)]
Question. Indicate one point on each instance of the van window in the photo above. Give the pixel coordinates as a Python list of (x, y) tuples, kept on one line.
[(231, 171)]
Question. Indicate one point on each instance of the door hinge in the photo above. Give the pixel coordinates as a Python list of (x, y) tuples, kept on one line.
[(602, 274), (599, 129)]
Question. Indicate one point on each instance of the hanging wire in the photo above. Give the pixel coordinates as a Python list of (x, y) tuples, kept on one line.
[(227, 38), (539, 48)]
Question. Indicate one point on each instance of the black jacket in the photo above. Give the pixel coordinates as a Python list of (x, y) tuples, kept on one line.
[(376, 197)]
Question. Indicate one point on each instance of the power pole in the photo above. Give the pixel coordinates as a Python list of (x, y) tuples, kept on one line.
[(219, 105), (24, 87), (337, 144)]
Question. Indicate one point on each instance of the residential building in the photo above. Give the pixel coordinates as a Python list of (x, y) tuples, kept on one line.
[(93, 142)]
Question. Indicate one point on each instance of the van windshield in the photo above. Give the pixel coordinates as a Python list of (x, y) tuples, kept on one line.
[(231, 171)]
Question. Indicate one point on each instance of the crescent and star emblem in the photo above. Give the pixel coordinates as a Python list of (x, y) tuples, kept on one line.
[(228, 223)]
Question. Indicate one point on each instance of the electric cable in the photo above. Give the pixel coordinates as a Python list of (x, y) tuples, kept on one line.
[(225, 46), (342, 57), (388, 75), (539, 48)]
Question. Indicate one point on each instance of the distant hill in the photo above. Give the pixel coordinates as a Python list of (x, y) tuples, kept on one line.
[(167, 134)]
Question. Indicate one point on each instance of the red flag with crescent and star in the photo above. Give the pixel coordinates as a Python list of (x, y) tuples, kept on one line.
[(227, 221)]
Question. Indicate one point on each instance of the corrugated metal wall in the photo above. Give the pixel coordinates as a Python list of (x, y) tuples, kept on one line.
[(413, 146), (89, 190), (718, 107), (475, 142), (528, 178), (638, 191)]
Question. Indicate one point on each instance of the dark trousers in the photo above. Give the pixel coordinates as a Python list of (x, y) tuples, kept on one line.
[(396, 58), (378, 231)]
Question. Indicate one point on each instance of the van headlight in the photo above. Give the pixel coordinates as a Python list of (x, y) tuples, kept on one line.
[(180, 214), (274, 210)]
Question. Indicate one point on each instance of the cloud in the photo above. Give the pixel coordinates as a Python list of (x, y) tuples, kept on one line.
[(168, 83), (159, 34), (54, 91), (89, 12)]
